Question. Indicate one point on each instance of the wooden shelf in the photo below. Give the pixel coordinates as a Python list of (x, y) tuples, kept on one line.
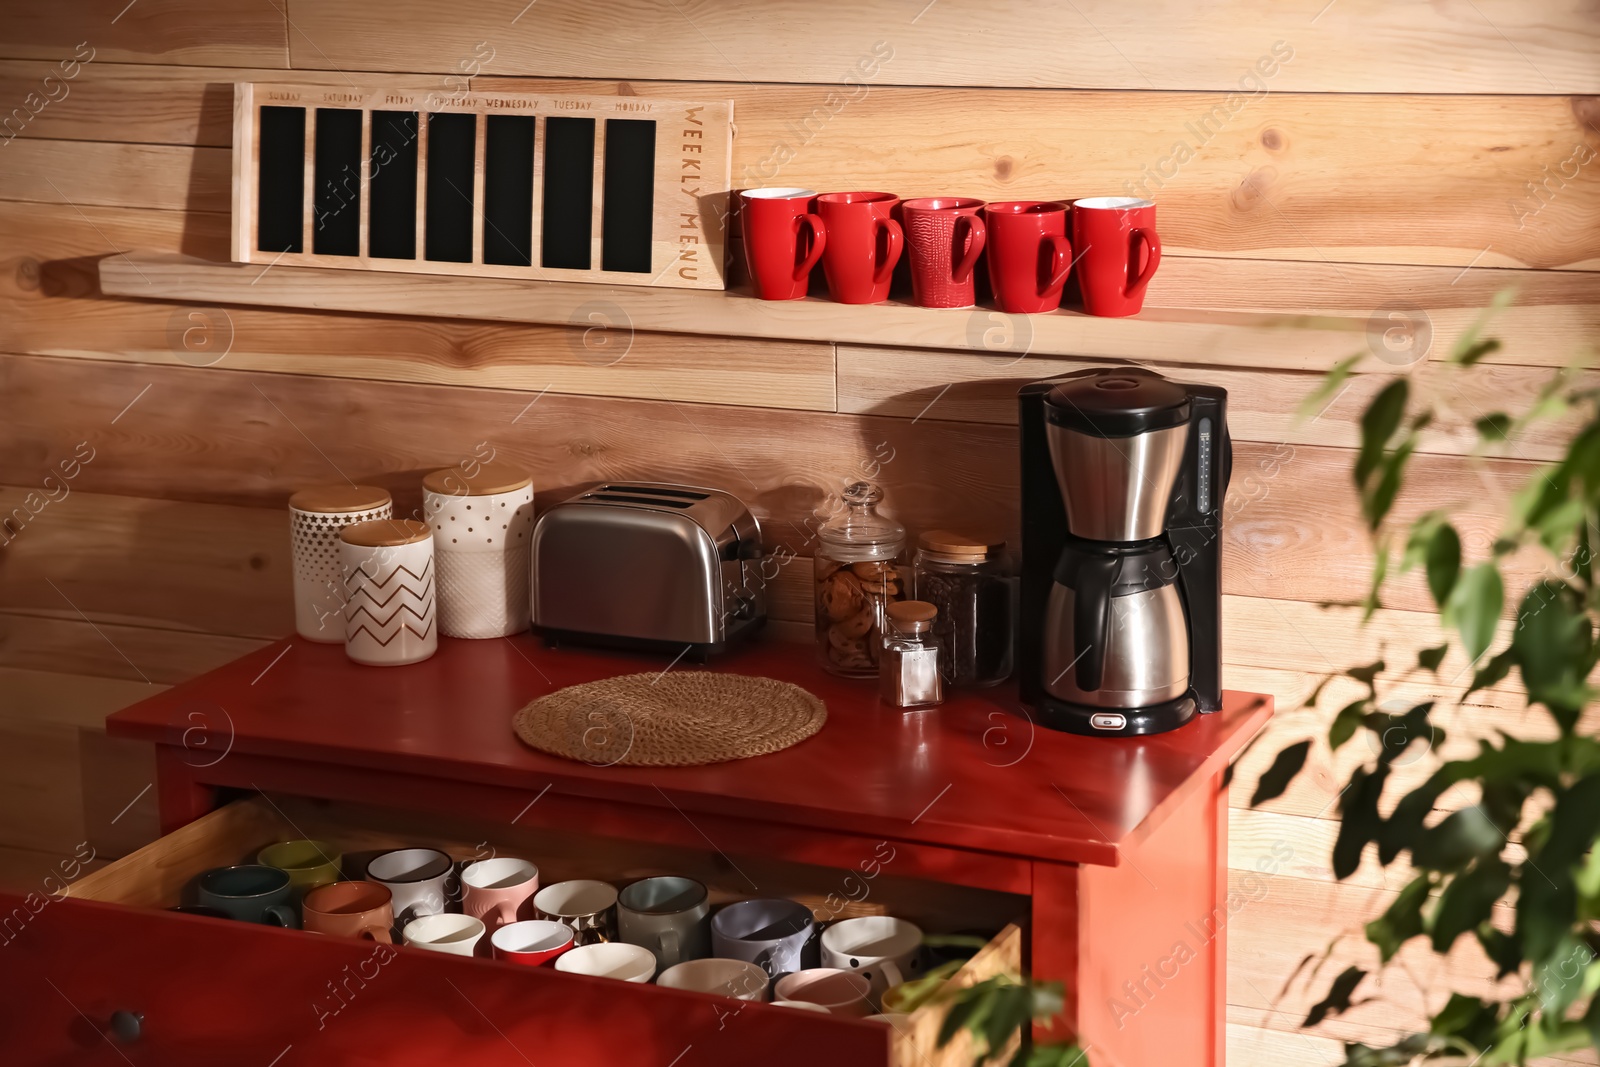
[(1160, 334)]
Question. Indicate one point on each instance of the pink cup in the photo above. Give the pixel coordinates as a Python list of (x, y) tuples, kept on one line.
[(532, 942), (499, 891)]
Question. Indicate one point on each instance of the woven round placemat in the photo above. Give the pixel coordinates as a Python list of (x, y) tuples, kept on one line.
[(678, 719)]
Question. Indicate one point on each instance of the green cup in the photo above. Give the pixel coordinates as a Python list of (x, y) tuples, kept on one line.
[(308, 864)]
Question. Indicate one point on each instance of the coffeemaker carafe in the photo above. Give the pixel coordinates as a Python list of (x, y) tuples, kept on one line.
[(1124, 474)]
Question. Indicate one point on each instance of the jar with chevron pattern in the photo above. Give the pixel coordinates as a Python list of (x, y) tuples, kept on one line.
[(389, 612), (482, 520)]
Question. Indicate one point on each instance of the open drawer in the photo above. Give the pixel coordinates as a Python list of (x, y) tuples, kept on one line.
[(84, 973)]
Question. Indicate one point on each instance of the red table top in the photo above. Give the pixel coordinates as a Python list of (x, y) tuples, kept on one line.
[(974, 773)]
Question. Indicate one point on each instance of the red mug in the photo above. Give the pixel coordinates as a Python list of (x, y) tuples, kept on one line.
[(531, 942), (1029, 254), (858, 226), (944, 237), (1118, 251), (779, 256)]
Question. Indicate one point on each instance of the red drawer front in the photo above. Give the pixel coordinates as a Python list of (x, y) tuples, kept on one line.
[(215, 992)]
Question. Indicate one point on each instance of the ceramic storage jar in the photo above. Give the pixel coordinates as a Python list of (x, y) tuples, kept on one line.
[(316, 515), (482, 527), (388, 570)]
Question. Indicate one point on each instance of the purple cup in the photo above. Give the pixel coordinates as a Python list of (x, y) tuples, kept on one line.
[(779, 936)]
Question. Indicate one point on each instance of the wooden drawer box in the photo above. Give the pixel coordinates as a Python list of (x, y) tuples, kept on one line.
[(212, 991)]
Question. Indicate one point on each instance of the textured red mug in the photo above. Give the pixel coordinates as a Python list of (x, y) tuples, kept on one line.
[(1029, 254), (783, 239), (944, 237), (864, 244), (1118, 251)]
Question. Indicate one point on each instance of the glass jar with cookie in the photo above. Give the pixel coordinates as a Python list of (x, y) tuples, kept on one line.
[(860, 570)]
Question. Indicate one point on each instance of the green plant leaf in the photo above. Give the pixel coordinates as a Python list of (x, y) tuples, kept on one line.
[(1462, 352), (1552, 644), (1468, 1018), (1430, 658), (1331, 382), (1375, 504), (1468, 900), (1378, 424), (1402, 920), (1344, 724), (1474, 607), (1443, 558), (1338, 998), (1380, 571), (1503, 948), (1460, 838), (1276, 778), (1471, 355), (1494, 428)]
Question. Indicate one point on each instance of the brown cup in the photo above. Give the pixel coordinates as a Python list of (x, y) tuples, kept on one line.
[(350, 909)]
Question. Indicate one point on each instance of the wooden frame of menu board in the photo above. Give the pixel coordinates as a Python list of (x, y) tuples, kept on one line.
[(621, 190)]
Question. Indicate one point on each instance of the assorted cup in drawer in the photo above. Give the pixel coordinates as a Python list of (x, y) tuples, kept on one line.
[(661, 928), (1031, 247)]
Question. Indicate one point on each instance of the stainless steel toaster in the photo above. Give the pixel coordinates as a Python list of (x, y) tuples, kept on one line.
[(648, 565)]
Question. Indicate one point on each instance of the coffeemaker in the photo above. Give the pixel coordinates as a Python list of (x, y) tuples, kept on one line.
[(1124, 474)]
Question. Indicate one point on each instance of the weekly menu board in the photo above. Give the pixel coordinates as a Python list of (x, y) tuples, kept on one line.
[(622, 189)]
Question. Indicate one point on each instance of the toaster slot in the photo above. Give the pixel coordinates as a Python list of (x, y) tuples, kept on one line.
[(618, 498), (653, 491)]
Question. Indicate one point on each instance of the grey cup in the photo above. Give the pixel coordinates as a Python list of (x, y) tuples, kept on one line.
[(778, 935), (670, 916), (250, 892)]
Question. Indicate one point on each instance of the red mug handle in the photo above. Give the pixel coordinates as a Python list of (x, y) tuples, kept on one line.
[(1060, 262), (819, 240), (976, 235), (897, 238), (1152, 242)]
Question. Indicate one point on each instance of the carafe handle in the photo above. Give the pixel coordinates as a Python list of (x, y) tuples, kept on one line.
[(1091, 618)]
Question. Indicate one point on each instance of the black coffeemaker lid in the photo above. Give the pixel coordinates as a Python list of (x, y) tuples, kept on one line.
[(1117, 404)]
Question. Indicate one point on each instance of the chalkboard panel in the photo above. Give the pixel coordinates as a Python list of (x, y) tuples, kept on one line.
[(628, 205), (281, 183), (508, 190), (452, 142), (568, 192), (613, 190), (336, 196), (392, 186)]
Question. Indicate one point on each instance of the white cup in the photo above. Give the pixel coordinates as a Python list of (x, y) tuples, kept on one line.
[(738, 979), (884, 950), (627, 963), (800, 1005), (457, 935), (840, 992)]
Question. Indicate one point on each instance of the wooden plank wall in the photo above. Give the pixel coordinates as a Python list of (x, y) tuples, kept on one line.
[(1374, 158)]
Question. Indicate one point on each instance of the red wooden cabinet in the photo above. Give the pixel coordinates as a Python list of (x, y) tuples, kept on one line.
[(1108, 850), (91, 984)]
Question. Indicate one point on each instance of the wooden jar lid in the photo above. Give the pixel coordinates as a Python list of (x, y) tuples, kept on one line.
[(385, 533), (339, 499), (912, 611), (960, 547), (490, 478)]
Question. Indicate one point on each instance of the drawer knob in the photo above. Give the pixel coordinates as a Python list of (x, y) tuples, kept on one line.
[(127, 1025)]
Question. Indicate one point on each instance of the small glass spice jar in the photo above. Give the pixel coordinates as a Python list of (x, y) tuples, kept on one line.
[(860, 570), (964, 578), (908, 670)]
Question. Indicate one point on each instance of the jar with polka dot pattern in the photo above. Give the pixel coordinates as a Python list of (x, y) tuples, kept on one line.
[(316, 515), (482, 523)]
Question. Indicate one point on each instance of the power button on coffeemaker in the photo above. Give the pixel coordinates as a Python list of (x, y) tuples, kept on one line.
[(1105, 720)]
